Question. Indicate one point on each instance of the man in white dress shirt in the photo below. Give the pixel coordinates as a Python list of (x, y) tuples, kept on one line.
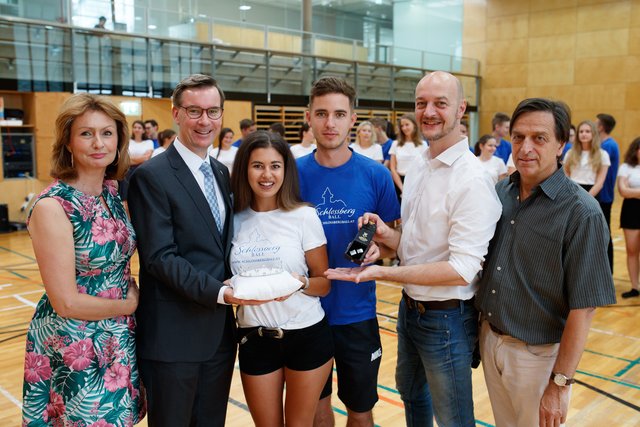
[(449, 214)]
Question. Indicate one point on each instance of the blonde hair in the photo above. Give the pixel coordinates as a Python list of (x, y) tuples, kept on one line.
[(374, 138), (61, 164), (572, 159)]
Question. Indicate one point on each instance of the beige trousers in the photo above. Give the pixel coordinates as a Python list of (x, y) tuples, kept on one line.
[(516, 374)]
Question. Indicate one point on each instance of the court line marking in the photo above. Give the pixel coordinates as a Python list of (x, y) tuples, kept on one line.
[(18, 274), (9, 396), (25, 301), (13, 307), (609, 379), (39, 291), (631, 365), (615, 334), (390, 285), (610, 356), (17, 253)]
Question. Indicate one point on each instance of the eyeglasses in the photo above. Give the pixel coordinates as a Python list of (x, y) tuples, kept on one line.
[(195, 112)]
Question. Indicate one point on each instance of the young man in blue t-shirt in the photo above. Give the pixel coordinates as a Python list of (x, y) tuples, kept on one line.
[(605, 124), (247, 126), (500, 125), (380, 128), (343, 186)]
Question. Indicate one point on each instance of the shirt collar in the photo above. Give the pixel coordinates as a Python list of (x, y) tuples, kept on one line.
[(451, 154), (192, 160), (550, 186)]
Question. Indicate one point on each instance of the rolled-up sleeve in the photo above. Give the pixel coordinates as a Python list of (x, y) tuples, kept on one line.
[(475, 210)]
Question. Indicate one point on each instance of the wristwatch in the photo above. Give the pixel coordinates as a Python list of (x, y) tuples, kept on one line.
[(561, 380)]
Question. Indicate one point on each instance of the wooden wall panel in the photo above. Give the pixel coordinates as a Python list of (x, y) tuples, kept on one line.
[(564, 93), (507, 52), (505, 76), (635, 14), (46, 106), (552, 5), (608, 15), (508, 27), (546, 23), (602, 43), (585, 52), (634, 41), (551, 48), (551, 73), (158, 109), (500, 8), (632, 96), (234, 111)]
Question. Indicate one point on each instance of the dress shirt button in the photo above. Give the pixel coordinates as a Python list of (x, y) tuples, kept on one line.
[(489, 314), (493, 291), (513, 222), (499, 268)]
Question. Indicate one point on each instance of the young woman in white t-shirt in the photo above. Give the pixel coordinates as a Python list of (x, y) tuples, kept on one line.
[(586, 163), (484, 150), (140, 150), (629, 187), (307, 142), (403, 151), (366, 142), (273, 226), (225, 152)]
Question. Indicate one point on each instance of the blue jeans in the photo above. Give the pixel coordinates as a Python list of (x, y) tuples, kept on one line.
[(433, 374)]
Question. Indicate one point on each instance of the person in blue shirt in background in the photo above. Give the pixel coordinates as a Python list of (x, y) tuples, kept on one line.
[(380, 128), (247, 126), (605, 124), (500, 126)]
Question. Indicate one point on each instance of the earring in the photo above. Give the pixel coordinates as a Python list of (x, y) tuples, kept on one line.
[(71, 154), (117, 158)]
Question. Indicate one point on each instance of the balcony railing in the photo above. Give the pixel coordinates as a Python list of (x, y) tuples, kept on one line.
[(48, 56)]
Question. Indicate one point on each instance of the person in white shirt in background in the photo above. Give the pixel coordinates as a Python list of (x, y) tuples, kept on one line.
[(629, 187), (586, 163), (165, 138), (140, 147), (408, 146), (366, 142), (484, 149), (140, 150), (307, 142), (225, 152)]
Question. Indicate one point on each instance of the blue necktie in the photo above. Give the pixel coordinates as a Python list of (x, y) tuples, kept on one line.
[(210, 193)]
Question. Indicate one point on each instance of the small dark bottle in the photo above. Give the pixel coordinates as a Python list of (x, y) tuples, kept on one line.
[(357, 249)]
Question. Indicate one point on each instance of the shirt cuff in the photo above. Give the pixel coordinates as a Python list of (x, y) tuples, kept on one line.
[(467, 269), (221, 295)]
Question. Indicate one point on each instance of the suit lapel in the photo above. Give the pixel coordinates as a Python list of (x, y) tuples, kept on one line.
[(188, 182)]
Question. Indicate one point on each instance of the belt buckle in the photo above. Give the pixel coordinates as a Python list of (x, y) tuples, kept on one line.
[(278, 332), (421, 308)]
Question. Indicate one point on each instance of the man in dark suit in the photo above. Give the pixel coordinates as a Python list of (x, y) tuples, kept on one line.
[(181, 209)]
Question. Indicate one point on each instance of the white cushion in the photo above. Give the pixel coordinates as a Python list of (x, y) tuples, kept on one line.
[(264, 284)]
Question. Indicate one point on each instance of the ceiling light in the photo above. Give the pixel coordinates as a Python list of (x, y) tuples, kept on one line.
[(245, 7), (152, 27)]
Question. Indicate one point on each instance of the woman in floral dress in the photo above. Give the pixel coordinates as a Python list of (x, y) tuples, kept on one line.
[(80, 365)]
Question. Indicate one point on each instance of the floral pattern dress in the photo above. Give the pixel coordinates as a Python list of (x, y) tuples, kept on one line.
[(84, 373)]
